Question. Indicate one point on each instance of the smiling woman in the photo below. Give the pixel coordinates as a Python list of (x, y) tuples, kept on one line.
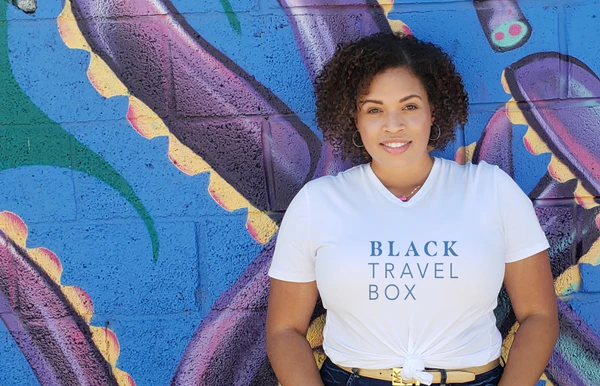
[(419, 311)]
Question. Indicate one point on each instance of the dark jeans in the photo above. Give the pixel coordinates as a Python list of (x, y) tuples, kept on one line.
[(334, 376)]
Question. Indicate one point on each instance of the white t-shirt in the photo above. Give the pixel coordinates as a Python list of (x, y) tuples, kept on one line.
[(408, 280)]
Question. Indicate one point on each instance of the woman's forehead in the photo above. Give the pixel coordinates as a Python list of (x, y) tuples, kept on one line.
[(394, 82)]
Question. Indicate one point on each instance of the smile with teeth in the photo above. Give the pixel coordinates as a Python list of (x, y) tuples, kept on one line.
[(395, 145)]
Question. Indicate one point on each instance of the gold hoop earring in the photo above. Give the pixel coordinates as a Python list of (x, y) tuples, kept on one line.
[(439, 133), (354, 140)]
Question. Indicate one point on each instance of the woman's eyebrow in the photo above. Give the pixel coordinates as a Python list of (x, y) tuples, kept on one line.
[(409, 97), (370, 101), (378, 102)]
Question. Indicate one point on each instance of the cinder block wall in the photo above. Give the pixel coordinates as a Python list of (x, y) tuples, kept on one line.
[(148, 150)]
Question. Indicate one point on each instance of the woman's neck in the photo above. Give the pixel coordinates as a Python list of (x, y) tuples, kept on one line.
[(401, 180)]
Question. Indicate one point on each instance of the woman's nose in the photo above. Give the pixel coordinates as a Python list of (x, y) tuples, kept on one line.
[(395, 122)]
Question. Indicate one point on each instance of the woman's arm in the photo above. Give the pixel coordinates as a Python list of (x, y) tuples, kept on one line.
[(288, 316), (531, 290)]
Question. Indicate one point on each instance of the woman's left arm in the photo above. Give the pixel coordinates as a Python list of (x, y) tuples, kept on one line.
[(531, 290)]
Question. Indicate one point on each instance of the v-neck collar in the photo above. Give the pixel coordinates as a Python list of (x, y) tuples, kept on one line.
[(435, 169)]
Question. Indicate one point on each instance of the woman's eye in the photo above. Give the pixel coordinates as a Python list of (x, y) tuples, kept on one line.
[(373, 110), (411, 107)]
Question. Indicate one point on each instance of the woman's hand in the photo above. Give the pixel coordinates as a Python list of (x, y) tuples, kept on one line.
[(288, 316), (531, 290)]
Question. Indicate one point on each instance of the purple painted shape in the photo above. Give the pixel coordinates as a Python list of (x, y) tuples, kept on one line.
[(549, 188), (559, 367), (280, 144), (560, 227), (562, 372), (494, 14), (495, 144), (230, 350), (34, 355), (328, 3), (229, 346), (536, 81), (319, 31), (56, 341), (205, 84), (14, 326)]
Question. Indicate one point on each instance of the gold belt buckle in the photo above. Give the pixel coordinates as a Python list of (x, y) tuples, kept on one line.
[(397, 379)]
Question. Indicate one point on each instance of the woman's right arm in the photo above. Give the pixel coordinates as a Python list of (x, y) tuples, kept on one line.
[(288, 317)]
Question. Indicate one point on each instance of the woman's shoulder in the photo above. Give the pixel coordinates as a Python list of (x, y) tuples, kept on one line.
[(469, 166), (339, 180), (482, 176), (469, 169)]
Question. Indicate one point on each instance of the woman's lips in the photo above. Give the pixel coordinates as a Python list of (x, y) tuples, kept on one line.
[(396, 150)]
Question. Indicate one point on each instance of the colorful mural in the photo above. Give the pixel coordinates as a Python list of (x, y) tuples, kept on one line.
[(169, 228)]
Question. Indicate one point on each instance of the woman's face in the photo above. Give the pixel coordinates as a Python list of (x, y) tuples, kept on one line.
[(394, 119)]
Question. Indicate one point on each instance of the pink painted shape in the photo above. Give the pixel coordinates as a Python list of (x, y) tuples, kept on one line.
[(499, 36), (515, 29)]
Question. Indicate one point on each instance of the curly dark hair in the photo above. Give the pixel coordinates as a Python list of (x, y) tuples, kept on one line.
[(347, 76)]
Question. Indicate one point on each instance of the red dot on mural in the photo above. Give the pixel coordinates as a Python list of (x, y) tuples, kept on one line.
[(499, 36), (515, 29)]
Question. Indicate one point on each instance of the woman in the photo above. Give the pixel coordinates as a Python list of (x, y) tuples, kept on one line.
[(408, 252)]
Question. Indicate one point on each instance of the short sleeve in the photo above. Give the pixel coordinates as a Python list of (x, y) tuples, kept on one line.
[(523, 235), (293, 259)]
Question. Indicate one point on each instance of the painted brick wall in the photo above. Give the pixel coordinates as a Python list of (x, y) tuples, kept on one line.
[(148, 150)]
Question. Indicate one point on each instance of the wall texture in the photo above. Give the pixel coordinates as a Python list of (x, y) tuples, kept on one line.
[(148, 149)]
